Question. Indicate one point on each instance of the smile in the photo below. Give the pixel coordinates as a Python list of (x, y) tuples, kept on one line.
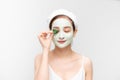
[(61, 42)]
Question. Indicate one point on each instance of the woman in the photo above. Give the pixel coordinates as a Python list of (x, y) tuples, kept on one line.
[(61, 63)]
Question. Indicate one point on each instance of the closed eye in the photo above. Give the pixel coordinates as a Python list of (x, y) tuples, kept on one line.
[(67, 29)]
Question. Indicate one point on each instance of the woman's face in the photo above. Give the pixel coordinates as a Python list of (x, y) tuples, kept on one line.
[(64, 35)]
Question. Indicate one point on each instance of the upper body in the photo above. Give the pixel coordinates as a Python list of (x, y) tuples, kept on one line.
[(61, 63)]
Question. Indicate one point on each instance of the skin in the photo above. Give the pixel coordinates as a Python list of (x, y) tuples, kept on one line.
[(65, 56), (65, 32)]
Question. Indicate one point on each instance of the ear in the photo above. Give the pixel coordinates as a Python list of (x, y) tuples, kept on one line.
[(75, 32)]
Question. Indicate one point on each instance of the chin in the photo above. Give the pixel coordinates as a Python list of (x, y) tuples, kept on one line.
[(62, 47)]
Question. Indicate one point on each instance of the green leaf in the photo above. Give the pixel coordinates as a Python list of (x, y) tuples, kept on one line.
[(55, 31)]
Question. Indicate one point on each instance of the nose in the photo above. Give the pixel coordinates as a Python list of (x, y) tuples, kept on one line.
[(61, 36)]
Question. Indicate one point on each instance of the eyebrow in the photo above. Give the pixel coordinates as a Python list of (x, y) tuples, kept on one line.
[(64, 27), (67, 27), (55, 27)]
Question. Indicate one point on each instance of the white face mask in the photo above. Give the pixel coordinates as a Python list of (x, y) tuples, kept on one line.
[(62, 38)]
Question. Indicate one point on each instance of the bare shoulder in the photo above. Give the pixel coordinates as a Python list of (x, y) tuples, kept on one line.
[(87, 61), (87, 64)]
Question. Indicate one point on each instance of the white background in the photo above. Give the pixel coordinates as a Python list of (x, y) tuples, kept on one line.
[(98, 36)]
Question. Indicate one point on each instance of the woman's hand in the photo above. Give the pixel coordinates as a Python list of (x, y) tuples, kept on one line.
[(41, 61), (45, 39)]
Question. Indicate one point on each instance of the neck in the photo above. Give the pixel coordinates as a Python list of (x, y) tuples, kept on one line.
[(63, 52)]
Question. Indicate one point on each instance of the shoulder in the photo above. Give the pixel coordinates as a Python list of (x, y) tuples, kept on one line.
[(87, 61), (87, 64)]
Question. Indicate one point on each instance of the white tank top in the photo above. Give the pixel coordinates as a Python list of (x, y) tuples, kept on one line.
[(79, 76)]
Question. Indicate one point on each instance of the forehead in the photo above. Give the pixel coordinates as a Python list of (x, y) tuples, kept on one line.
[(62, 21)]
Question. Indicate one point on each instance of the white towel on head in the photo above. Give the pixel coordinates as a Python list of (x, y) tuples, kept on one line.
[(63, 12)]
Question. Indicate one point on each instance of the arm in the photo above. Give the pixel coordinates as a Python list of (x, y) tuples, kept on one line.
[(41, 61), (88, 69), (41, 66)]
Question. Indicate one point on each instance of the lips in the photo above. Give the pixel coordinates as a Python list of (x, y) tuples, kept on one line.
[(61, 42)]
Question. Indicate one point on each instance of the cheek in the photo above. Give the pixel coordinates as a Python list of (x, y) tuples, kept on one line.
[(69, 35), (55, 37)]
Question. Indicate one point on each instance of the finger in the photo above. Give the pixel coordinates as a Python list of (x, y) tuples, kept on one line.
[(44, 34), (51, 35), (40, 35), (51, 31), (47, 34)]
